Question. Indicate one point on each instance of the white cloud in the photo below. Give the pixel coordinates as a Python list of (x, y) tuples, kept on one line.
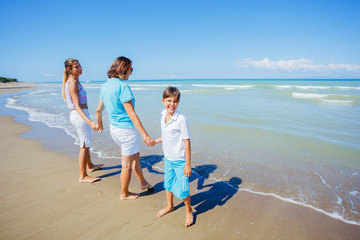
[(300, 66)]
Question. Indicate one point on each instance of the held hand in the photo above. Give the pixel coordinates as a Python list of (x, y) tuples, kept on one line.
[(187, 171), (146, 140), (101, 128), (149, 141), (94, 126), (152, 142)]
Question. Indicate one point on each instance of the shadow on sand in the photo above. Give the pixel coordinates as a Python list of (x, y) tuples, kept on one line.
[(210, 195), (111, 173), (217, 193), (146, 162)]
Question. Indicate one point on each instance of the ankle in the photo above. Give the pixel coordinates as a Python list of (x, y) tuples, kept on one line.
[(83, 176)]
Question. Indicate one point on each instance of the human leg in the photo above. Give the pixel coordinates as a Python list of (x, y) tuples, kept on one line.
[(95, 167), (179, 185), (136, 167), (126, 139), (125, 176), (83, 158), (170, 204), (189, 220), (84, 133), (87, 142), (91, 166), (169, 176)]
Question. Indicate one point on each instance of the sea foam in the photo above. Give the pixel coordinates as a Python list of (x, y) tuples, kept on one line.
[(231, 87)]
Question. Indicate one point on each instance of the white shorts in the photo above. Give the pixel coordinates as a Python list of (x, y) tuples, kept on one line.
[(83, 129), (127, 139)]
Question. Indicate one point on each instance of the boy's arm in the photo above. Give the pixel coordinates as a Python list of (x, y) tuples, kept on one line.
[(158, 140), (187, 170)]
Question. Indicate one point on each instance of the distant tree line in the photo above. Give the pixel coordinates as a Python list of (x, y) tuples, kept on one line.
[(6, 80)]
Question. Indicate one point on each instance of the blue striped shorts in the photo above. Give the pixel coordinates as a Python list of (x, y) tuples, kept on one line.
[(175, 180)]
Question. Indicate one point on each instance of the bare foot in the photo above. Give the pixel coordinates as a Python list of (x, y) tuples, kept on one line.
[(189, 219), (147, 186), (96, 167), (130, 196), (164, 211), (88, 179)]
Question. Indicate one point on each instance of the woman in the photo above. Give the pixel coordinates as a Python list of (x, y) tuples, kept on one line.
[(125, 125), (75, 96)]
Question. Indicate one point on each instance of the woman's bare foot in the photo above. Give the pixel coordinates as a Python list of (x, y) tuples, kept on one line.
[(189, 219), (129, 196), (88, 179), (164, 211), (147, 186), (96, 167)]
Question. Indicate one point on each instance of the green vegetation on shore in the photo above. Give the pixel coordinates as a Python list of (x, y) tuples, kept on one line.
[(6, 80)]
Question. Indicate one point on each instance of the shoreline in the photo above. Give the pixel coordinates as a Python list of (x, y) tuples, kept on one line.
[(241, 215), (13, 87)]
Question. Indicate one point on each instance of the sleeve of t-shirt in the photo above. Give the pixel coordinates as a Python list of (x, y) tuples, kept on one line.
[(126, 94), (184, 129)]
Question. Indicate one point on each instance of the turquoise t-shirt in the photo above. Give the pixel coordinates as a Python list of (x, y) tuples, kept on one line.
[(114, 93)]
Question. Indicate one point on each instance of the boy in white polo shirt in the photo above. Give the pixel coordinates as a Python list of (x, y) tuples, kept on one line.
[(177, 154)]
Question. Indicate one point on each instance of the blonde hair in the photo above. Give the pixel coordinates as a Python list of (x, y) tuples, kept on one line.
[(68, 66), (119, 68)]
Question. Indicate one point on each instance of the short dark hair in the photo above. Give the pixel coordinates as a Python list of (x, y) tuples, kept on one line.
[(172, 92), (119, 67)]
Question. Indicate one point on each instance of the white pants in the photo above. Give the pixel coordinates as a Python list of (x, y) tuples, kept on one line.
[(83, 129)]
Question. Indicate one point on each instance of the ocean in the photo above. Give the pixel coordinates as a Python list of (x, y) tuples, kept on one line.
[(297, 140)]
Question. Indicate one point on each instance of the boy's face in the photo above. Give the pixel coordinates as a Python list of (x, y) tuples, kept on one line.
[(170, 104)]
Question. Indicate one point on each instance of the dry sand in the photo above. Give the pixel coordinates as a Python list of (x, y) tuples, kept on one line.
[(42, 199)]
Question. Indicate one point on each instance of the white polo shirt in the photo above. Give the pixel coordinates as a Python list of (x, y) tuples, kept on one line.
[(173, 134)]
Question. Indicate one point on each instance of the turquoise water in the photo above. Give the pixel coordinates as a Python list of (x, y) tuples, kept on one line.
[(296, 140)]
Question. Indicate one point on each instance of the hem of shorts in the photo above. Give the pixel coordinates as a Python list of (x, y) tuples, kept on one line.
[(86, 145), (184, 160), (121, 127), (184, 197), (130, 154), (175, 195)]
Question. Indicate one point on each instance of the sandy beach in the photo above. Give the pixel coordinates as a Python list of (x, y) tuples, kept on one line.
[(14, 87), (42, 199)]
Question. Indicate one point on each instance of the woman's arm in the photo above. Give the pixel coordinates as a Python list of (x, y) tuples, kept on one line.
[(129, 108), (99, 111), (74, 93)]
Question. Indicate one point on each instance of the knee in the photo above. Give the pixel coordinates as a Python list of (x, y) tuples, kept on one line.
[(126, 167)]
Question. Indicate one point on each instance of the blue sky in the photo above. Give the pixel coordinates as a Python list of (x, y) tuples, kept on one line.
[(181, 39)]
